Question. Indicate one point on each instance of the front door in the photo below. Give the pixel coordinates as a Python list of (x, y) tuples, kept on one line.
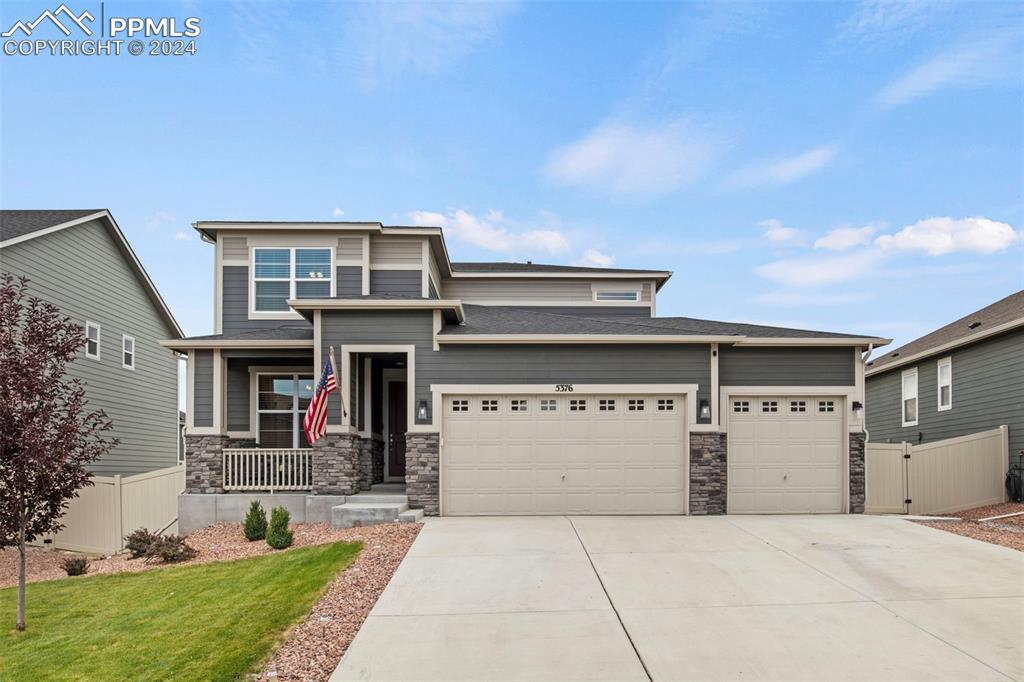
[(397, 425)]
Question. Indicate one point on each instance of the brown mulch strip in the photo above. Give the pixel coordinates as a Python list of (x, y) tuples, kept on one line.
[(1006, 532), (314, 648)]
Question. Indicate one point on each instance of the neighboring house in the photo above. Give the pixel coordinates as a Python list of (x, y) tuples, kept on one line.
[(501, 388), (961, 379), (81, 262)]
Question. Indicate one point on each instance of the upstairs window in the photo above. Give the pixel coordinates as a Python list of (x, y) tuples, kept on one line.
[(92, 340), (127, 351), (944, 370), (909, 379), (283, 273), (611, 295)]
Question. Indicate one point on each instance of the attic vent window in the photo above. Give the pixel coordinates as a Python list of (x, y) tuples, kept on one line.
[(616, 295), (974, 325)]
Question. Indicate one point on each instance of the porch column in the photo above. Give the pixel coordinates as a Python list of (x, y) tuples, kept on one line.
[(336, 464)]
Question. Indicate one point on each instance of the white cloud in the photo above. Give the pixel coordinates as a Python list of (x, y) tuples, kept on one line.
[(784, 170), (982, 61), (392, 38), (884, 20), (844, 238), (939, 236), (595, 259), (633, 160), (337, 212), (776, 232), (182, 236), (158, 221), (493, 232), (816, 271)]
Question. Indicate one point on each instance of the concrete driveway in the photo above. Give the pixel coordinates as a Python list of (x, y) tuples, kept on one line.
[(686, 598)]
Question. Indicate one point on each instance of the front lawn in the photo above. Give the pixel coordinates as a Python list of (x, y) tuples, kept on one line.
[(209, 622)]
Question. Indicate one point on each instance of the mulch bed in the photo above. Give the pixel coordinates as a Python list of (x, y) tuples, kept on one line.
[(1007, 532)]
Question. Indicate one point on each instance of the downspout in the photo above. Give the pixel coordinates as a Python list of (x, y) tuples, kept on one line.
[(864, 361)]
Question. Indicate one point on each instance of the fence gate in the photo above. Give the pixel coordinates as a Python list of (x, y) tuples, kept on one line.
[(937, 478)]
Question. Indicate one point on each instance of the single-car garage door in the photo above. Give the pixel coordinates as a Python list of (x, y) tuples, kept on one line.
[(563, 454), (785, 454)]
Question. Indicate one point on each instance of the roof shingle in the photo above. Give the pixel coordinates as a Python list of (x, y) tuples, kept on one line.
[(14, 223)]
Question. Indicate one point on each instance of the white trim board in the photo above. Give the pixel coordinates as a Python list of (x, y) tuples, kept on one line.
[(945, 347)]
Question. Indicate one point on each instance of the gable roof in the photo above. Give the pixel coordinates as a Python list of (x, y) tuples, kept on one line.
[(1003, 315), (17, 226)]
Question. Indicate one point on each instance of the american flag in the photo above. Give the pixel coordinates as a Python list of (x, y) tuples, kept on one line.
[(315, 421)]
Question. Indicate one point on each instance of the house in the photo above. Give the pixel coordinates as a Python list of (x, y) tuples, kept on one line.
[(80, 261), (958, 380), (500, 388)]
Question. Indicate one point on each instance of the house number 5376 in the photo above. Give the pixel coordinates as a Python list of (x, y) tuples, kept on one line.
[(563, 388)]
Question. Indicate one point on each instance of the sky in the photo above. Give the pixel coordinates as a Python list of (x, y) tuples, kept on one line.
[(850, 167)]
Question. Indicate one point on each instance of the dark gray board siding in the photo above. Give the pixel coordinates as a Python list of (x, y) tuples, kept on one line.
[(589, 310), (401, 282), (83, 271), (433, 291), (202, 387), (235, 303), (238, 384), (350, 281), (786, 366), (518, 364), (988, 391)]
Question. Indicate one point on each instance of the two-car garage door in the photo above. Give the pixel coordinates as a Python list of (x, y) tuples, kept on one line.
[(785, 454), (563, 454)]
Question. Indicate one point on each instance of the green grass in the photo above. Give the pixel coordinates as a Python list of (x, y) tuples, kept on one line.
[(211, 622)]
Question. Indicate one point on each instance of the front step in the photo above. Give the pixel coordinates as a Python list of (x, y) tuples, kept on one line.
[(411, 516), (353, 514)]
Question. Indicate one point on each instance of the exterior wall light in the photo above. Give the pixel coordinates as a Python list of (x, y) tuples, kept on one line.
[(705, 409), (857, 405), (421, 411)]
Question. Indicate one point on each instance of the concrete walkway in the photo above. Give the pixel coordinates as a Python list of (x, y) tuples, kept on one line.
[(683, 598)]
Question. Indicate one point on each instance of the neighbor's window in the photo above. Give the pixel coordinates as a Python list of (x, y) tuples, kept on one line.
[(92, 340), (280, 274), (944, 369), (910, 397), (127, 351), (617, 295), (281, 405)]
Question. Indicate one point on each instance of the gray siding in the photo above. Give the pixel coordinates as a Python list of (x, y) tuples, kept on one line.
[(786, 366), (235, 303), (518, 364), (402, 282), (988, 391), (202, 403), (83, 271), (350, 281), (590, 310), (432, 289)]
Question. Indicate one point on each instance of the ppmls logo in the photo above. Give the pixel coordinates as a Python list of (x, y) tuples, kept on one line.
[(77, 20), (166, 36)]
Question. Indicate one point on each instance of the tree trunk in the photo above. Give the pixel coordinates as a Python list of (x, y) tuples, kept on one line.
[(21, 580)]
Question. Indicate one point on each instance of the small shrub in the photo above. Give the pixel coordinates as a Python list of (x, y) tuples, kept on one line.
[(75, 565), (139, 541), (171, 550), (279, 536), (255, 527)]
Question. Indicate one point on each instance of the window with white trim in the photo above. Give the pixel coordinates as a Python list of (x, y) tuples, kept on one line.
[(826, 406), (635, 405), (797, 405), (281, 404), (741, 406), (944, 374), (578, 405), (92, 340), (283, 273), (548, 405), (666, 404), (770, 406), (127, 351), (460, 406), (520, 405), (620, 296), (488, 405), (606, 405), (909, 393)]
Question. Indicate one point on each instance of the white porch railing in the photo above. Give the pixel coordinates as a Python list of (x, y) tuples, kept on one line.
[(266, 469)]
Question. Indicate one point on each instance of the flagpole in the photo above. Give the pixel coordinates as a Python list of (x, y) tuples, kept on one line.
[(337, 380)]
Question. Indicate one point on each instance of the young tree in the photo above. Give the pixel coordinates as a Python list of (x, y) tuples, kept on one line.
[(47, 434)]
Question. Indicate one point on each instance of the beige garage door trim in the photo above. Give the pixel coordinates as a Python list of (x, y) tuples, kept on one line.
[(816, 432), (589, 463)]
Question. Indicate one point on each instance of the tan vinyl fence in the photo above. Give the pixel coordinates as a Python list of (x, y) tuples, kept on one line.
[(937, 478), (103, 513)]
